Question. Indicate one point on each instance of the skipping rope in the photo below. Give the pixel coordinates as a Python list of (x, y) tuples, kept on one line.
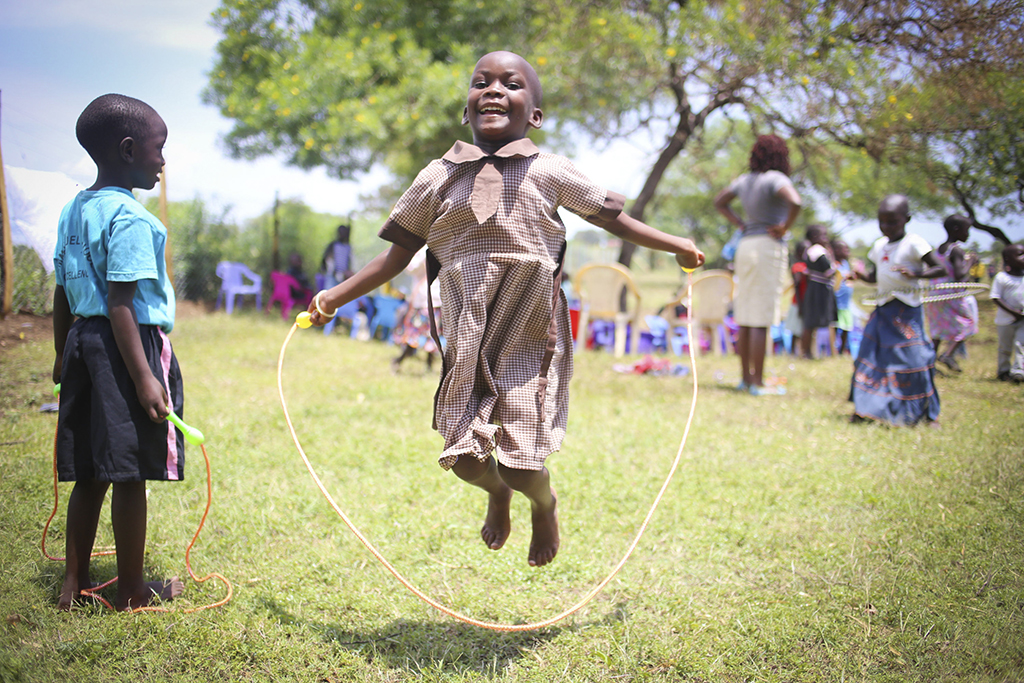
[(302, 320), (194, 437)]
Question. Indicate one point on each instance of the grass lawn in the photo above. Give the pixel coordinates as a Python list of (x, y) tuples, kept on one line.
[(792, 545)]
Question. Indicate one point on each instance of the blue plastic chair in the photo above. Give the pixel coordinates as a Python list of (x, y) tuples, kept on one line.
[(347, 312), (233, 276), (385, 308)]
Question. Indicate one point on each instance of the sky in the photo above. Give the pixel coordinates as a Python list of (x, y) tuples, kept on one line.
[(58, 55)]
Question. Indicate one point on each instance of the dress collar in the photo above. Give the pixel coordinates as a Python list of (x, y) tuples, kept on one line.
[(462, 152)]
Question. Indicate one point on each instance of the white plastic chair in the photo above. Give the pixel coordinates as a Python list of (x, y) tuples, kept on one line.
[(600, 286), (233, 276)]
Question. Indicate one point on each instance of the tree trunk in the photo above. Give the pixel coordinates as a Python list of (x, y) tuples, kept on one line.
[(676, 145)]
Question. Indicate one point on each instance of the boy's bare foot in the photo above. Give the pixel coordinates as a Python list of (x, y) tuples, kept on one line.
[(165, 590), (497, 525), (70, 593), (544, 543)]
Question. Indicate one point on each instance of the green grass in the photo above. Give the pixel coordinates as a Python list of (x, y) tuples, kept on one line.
[(792, 546)]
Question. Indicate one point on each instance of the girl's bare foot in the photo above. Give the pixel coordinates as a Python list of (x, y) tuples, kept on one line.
[(165, 590), (497, 525), (544, 543)]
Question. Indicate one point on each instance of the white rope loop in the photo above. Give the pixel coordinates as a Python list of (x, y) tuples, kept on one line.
[(494, 626), (962, 289)]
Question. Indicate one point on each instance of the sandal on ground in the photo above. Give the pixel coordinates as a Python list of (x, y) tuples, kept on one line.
[(767, 391), (950, 363)]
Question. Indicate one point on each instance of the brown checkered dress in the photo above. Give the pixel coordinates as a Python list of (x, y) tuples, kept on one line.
[(501, 301)]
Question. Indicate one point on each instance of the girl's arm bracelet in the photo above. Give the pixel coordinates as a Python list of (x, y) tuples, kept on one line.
[(316, 302)]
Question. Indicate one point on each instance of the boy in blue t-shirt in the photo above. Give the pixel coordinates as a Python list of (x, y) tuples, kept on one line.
[(112, 307)]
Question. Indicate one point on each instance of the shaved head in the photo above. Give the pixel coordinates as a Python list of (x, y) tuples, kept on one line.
[(895, 203), (528, 71)]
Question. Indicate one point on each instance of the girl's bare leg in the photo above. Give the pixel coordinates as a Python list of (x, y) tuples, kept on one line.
[(743, 349), (536, 485), (497, 525), (807, 341), (756, 349)]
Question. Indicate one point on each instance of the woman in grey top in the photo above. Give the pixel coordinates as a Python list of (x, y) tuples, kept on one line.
[(771, 205)]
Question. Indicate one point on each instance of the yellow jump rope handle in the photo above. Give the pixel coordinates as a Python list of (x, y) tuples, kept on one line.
[(687, 270), (192, 435), (302, 320)]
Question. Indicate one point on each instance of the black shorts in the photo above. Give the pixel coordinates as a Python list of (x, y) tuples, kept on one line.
[(103, 433)]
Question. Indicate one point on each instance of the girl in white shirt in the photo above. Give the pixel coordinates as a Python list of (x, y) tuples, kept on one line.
[(893, 374)]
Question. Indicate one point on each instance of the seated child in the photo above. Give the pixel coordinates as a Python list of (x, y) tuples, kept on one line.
[(1008, 294), (112, 308), (488, 213), (304, 292), (893, 374)]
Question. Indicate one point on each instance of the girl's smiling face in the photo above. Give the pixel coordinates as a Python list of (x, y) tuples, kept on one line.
[(503, 97)]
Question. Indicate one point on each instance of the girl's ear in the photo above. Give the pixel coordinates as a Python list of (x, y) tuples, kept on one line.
[(536, 118), (465, 116), (126, 150)]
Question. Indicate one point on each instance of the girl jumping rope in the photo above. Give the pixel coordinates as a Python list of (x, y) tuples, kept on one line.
[(488, 213)]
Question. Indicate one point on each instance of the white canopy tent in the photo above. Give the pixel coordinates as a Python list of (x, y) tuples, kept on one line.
[(35, 200)]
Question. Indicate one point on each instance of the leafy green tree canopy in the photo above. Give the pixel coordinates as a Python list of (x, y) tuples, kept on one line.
[(346, 84)]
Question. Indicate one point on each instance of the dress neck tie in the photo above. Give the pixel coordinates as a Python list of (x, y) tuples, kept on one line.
[(486, 190)]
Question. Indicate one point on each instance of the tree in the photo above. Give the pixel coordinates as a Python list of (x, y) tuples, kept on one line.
[(345, 85), (199, 241)]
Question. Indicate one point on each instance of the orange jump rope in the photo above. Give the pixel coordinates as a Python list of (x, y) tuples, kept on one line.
[(302, 320), (194, 437)]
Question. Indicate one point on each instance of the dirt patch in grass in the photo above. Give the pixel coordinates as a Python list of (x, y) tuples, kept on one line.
[(23, 328), (20, 328)]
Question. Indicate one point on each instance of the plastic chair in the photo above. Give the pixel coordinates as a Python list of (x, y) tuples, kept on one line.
[(385, 308), (712, 296), (285, 286), (349, 312), (600, 286), (233, 276)]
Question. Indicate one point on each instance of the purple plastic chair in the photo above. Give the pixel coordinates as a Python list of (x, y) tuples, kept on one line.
[(233, 276)]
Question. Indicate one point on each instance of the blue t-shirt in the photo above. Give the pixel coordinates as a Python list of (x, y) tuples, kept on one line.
[(104, 236)]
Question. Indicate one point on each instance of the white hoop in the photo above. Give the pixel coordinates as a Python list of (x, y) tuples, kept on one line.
[(962, 289)]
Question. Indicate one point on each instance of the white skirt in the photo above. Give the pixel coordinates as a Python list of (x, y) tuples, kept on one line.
[(761, 266)]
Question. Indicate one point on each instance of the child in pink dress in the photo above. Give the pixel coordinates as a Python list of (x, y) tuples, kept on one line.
[(953, 320), (488, 213)]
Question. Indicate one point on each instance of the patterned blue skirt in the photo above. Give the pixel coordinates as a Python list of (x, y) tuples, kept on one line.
[(893, 376)]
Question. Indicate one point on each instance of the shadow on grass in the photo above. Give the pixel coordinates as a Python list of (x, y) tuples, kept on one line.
[(451, 646)]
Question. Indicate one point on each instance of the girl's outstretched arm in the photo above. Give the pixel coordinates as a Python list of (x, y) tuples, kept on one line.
[(643, 235), (381, 269)]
